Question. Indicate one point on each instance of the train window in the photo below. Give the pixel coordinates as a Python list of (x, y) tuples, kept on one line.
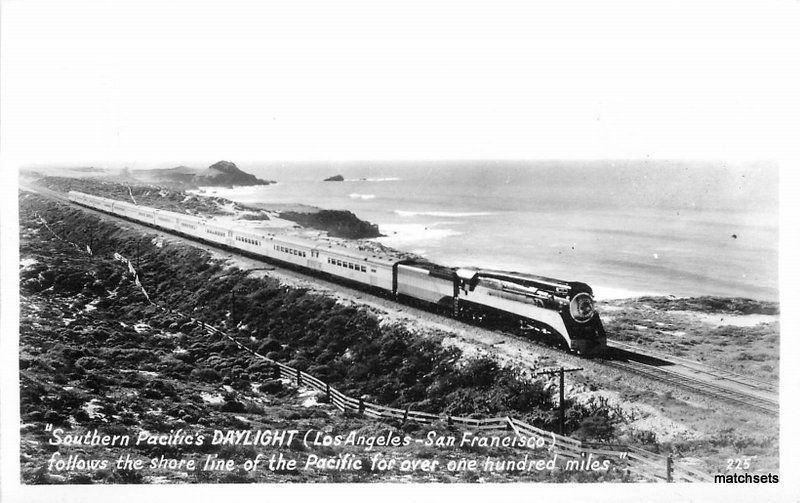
[(373, 270)]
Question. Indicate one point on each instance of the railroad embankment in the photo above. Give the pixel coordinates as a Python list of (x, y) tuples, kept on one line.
[(95, 353), (739, 335)]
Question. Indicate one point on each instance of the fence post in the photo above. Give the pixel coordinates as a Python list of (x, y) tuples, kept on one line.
[(328, 391), (669, 468), (449, 420), (561, 401), (299, 378), (405, 414), (276, 372), (361, 405)]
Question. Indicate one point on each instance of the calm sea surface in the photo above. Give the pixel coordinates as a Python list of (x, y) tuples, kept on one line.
[(624, 228)]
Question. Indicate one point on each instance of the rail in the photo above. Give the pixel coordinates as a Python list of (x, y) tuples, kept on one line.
[(635, 460)]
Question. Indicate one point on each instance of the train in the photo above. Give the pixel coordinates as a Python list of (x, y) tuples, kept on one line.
[(559, 311)]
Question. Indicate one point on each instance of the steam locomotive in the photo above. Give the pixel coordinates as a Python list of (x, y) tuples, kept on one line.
[(562, 311)]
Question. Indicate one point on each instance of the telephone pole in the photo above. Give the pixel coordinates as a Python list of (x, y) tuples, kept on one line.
[(560, 371), (91, 238), (233, 308)]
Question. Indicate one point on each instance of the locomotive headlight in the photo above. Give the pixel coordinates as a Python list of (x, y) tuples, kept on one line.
[(581, 307)]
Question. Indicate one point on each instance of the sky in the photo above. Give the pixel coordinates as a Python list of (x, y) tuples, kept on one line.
[(152, 83)]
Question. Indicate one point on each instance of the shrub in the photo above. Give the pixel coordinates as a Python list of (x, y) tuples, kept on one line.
[(273, 386), (206, 374), (598, 427)]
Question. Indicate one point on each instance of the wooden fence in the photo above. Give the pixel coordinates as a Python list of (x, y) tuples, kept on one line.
[(637, 461)]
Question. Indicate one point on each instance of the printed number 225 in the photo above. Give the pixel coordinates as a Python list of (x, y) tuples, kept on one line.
[(738, 463)]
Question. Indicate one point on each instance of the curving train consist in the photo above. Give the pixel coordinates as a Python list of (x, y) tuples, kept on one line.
[(563, 310)]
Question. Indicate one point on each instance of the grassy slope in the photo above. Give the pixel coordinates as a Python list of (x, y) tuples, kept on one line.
[(670, 326), (95, 354)]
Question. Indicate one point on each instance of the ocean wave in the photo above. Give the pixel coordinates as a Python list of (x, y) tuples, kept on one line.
[(446, 214), (387, 179), (404, 234), (364, 197)]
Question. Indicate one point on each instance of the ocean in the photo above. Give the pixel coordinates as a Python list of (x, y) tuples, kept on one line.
[(626, 228)]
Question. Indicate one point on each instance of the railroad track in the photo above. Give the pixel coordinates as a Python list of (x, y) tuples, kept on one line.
[(753, 383), (678, 372)]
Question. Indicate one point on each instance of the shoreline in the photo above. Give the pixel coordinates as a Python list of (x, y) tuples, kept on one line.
[(438, 234), (404, 237), (658, 417)]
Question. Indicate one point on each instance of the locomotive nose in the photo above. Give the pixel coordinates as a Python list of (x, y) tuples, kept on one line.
[(581, 307)]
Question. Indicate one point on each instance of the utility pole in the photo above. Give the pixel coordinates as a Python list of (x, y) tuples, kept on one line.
[(669, 468), (91, 238), (560, 371), (233, 308)]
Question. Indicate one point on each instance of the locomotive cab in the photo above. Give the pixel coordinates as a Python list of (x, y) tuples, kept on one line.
[(565, 310)]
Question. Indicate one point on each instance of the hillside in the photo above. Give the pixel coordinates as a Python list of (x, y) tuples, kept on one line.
[(96, 354), (220, 174)]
